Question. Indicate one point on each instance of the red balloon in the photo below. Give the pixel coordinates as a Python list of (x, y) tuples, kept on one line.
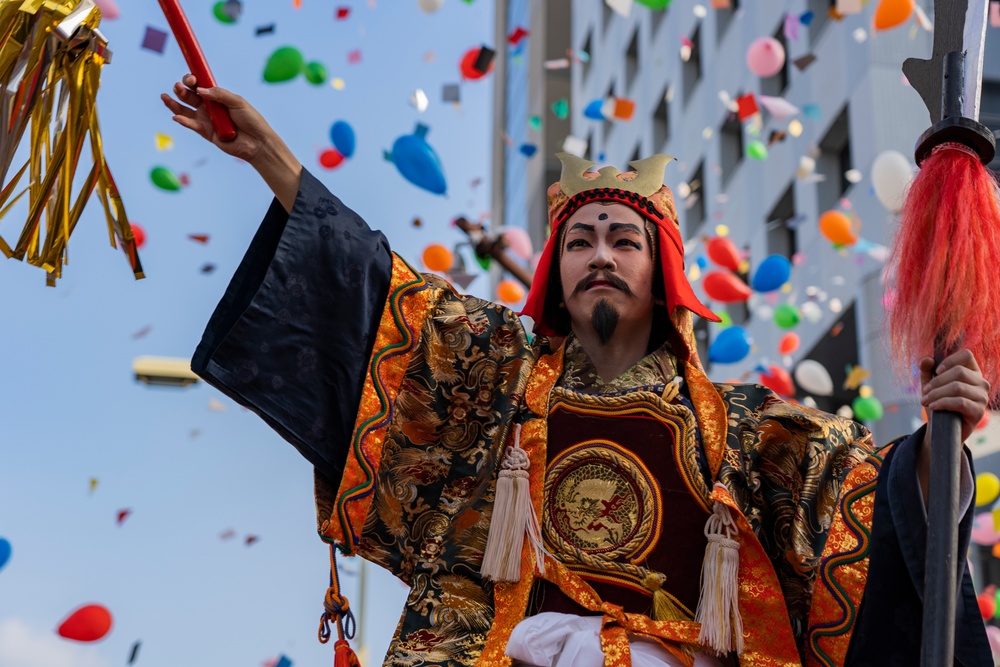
[(778, 380), (789, 343), (87, 624), (723, 252), (725, 287), (987, 605), (468, 64), (139, 234), (331, 158)]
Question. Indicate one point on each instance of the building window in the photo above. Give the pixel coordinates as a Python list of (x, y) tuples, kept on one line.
[(694, 201), (585, 65), (775, 85), (821, 16), (834, 162), (780, 235), (723, 19), (631, 61), (607, 123), (661, 124), (989, 112), (730, 147), (691, 70)]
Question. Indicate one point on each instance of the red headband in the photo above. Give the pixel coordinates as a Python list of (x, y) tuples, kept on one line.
[(658, 208)]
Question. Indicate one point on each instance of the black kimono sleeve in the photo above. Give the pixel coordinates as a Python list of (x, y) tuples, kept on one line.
[(888, 629), (293, 332)]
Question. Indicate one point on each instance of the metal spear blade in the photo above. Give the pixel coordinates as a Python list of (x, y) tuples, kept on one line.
[(959, 25)]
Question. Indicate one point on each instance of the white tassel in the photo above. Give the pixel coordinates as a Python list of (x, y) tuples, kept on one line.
[(718, 606), (513, 518)]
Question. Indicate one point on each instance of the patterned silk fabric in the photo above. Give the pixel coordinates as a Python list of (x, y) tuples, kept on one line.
[(656, 368), (431, 429)]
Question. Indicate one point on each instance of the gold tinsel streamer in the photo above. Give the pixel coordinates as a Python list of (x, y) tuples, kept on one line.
[(51, 55)]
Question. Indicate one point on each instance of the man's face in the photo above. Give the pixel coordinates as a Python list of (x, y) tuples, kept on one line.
[(606, 269)]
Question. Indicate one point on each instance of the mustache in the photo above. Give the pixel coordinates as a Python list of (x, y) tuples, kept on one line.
[(603, 276)]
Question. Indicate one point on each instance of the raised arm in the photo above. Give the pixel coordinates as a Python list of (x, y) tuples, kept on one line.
[(256, 142)]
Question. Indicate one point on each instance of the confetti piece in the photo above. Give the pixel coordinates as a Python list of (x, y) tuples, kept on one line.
[(354, 57), (337, 83), (342, 13), (264, 30), (747, 106), (199, 238), (227, 535), (250, 539), (517, 35), (164, 142), (122, 515), (450, 92), (141, 333), (215, 405), (418, 100), (93, 484), (154, 40), (802, 62)]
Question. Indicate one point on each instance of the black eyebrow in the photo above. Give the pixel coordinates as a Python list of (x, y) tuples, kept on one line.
[(628, 226), (583, 227)]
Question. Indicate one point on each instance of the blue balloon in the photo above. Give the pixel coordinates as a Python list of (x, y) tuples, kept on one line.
[(701, 261), (731, 345), (417, 161), (593, 110), (772, 273), (342, 136), (4, 552)]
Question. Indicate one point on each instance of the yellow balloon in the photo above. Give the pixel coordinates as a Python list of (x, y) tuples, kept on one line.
[(987, 488)]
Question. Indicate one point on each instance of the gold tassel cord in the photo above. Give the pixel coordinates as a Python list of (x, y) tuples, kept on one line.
[(51, 55)]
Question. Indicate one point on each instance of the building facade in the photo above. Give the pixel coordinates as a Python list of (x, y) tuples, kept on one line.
[(681, 66)]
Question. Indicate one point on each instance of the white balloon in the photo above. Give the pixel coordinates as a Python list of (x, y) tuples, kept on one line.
[(813, 377), (430, 6), (891, 173), (811, 311)]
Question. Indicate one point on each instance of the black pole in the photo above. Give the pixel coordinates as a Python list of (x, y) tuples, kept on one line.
[(940, 566)]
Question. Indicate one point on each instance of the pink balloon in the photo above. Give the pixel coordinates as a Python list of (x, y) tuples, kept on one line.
[(983, 532), (766, 56), (993, 634), (109, 9), (518, 241)]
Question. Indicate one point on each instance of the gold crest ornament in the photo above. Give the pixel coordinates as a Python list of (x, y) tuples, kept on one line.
[(51, 55)]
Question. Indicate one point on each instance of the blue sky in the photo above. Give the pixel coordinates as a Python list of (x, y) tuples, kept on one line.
[(71, 409)]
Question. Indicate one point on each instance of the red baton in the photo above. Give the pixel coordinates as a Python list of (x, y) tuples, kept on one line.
[(195, 58)]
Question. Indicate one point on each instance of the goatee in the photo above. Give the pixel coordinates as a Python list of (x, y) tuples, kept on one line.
[(604, 319)]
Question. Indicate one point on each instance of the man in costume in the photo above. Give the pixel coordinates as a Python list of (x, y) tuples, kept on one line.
[(589, 497)]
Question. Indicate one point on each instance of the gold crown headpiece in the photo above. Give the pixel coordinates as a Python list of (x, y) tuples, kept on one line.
[(647, 181)]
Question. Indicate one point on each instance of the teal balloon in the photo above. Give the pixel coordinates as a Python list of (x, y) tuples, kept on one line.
[(417, 161), (868, 409), (165, 179), (772, 273), (4, 552), (731, 345), (786, 316), (284, 65), (342, 136)]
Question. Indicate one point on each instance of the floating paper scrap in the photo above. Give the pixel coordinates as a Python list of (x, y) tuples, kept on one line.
[(791, 27), (154, 40), (746, 106), (215, 405), (354, 57), (778, 107), (845, 7), (855, 376), (450, 92), (620, 7), (575, 145), (419, 100), (802, 62), (557, 63), (516, 35), (264, 30)]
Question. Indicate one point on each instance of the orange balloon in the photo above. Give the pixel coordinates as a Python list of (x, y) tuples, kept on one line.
[(437, 258), (837, 228), (891, 13), (789, 343), (510, 291)]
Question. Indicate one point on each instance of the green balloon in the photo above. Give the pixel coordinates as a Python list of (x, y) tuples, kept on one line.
[(165, 179), (655, 4), (483, 262), (283, 65), (315, 73), (867, 409), (786, 316), (223, 13), (757, 150)]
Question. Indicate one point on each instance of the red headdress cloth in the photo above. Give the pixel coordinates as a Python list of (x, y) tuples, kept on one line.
[(641, 190)]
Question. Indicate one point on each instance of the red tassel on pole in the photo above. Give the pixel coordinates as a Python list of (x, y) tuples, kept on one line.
[(344, 655), (944, 263)]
